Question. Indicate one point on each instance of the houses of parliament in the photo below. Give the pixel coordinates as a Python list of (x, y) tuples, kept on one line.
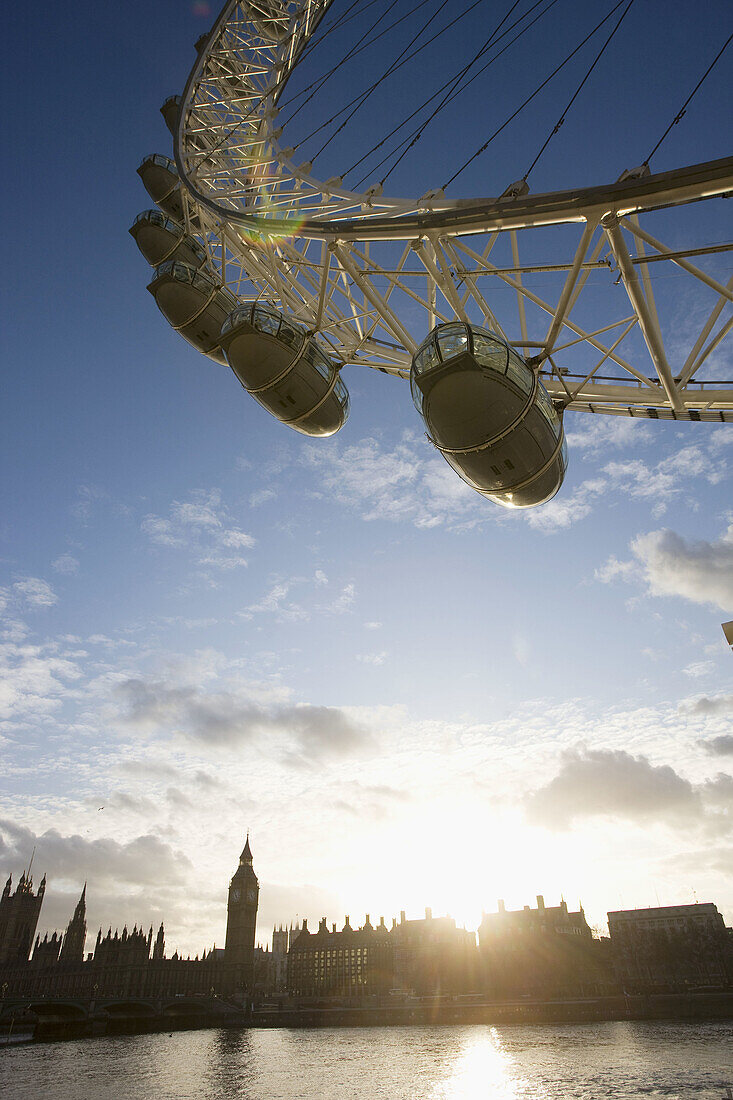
[(127, 964), (547, 952)]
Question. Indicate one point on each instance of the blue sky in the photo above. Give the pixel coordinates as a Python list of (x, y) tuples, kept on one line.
[(211, 624)]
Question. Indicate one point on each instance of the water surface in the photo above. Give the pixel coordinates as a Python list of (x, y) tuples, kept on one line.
[(677, 1061)]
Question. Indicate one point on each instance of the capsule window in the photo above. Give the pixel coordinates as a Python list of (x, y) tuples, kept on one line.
[(453, 341), (509, 464), (490, 353), (265, 321), (426, 358), (289, 336), (518, 371)]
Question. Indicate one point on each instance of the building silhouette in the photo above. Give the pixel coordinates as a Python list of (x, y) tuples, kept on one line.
[(126, 964), (19, 914), (242, 904), (547, 952), (422, 957), (46, 950), (672, 948), (72, 950)]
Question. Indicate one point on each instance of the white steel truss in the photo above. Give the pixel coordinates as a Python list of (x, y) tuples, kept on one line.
[(371, 275)]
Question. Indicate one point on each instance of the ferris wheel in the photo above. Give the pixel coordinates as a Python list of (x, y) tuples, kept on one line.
[(289, 278)]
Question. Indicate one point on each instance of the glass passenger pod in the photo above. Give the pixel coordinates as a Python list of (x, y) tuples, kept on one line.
[(170, 110), (159, 238), (194, 305), (160, 179), (285, 370), (489, 415)]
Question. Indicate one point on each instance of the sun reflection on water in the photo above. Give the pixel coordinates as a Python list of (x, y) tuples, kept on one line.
[(484, 1070)]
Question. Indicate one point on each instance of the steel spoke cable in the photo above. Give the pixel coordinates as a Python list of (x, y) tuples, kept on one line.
[(680, 114), (441, 89), (530, 97), (352, 53), (357, 48), (456, 82), (342, 20), (458, 91), (388, 72), (578, 90), (430, 41)]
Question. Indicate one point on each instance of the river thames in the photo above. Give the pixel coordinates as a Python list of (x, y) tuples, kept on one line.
[(588, 1062)]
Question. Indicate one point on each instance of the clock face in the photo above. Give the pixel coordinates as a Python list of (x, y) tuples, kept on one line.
[(236, 894), (251, 895)]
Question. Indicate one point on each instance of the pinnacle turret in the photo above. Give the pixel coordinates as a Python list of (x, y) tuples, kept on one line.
[(246, 856)]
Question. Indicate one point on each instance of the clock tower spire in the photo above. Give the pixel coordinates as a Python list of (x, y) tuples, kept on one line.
[(242, 917)]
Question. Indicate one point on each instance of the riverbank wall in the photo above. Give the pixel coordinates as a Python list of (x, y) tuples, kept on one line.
[(54, 1023)]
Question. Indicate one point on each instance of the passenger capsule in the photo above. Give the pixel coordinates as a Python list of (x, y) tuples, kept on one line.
[(160, 179), (489, 415), (170, 110), (285, 370), (160, 238), (194, 304)]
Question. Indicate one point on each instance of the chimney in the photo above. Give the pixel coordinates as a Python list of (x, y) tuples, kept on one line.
[(428, 913), (540, 901), (402, 916), (500, 905)]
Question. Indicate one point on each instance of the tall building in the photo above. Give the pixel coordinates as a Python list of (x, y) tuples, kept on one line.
[(279, 960), (432, 955), (244, 893), (671, 948), (354, 962), (544, 952), (159, 947), (72, 950), (18, 918)]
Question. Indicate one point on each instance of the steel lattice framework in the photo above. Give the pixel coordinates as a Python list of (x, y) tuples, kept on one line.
[(371, 275)]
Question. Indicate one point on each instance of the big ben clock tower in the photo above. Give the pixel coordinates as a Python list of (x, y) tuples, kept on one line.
[(242, 916)]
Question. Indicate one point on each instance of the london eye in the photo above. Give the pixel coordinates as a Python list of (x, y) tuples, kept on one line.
[(290, 279)]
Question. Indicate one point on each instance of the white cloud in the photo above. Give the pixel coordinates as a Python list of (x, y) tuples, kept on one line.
[(718, 704), (34, 679), (261, 497), (404, 484), (564, 511), (320, 578), (203, 525), (698, 669), (667, 479), (372, 626), (596, 783), (66, 564), (343, 601), (698, 571), (275, 603), (235, 718), (594, 434), (723, 745), (35, 592), (372, 658), (142, 860), (614, 569), (671, 565)]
